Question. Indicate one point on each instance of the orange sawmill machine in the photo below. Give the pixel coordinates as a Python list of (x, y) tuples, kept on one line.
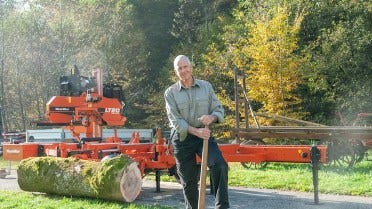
[(86, 105)]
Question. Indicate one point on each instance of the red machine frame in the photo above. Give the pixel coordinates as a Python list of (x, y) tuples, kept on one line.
[(159, 155)]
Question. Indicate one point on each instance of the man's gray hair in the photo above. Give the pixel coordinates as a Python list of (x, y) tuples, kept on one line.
[(179, 58)]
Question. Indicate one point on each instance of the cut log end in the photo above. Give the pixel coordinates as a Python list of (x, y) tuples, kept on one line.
[(131, 182)]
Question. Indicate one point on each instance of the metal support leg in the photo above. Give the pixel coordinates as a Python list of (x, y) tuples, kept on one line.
[(157, 179), (157, 173), (315, 157)]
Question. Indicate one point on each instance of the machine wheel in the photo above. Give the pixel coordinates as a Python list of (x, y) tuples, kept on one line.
[(251, 164), (355, 153), (346, 153)]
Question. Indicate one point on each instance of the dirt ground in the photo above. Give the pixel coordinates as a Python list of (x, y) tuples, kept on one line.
[(171, 195)]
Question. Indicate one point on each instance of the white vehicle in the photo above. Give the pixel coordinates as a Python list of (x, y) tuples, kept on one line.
[(47, 135), (61, 135)]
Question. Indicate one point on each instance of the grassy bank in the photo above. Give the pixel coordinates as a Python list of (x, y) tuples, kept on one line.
[(298, 177)]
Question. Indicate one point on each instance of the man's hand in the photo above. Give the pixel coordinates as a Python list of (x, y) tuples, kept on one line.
[(207, 119), (204, 133)]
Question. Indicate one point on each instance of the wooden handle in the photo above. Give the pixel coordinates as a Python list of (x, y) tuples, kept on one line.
[(203, 175)]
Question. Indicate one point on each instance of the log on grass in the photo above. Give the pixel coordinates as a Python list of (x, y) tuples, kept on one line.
[(118, 178)]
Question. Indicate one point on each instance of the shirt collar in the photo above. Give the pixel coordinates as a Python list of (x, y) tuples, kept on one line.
[(196, 82)]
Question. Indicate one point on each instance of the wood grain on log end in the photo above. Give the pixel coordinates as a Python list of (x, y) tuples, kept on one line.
[(131, 182)]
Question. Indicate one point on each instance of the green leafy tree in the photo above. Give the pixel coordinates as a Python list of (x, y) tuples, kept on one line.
[(338, 71), (154, 20)]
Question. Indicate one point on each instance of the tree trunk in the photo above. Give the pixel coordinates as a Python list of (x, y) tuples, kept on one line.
[(118, 178)]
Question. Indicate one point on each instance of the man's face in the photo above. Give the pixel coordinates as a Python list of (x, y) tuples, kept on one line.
[(183, 70)]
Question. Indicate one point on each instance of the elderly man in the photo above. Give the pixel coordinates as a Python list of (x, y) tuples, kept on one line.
[(192, 106)]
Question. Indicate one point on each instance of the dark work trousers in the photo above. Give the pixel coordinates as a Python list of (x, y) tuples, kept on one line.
[(188, 170)]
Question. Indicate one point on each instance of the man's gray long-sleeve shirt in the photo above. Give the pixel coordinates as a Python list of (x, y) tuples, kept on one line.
[(185, 105)]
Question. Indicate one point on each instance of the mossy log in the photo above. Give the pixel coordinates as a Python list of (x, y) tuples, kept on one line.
[(118, 178)]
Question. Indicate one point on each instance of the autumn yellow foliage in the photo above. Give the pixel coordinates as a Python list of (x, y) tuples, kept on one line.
[(273, 71)]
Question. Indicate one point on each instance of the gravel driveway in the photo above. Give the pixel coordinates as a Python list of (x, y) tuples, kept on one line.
[(240, 198)]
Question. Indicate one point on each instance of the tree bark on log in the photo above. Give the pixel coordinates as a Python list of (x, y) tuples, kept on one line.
[(118, 178)]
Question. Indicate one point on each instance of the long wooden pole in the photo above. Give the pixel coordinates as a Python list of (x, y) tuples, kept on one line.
[(307, 132), (203, 175)]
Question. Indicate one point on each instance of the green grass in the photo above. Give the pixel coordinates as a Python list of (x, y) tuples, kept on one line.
[(5, 164), (298, 177), (26, 200)]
